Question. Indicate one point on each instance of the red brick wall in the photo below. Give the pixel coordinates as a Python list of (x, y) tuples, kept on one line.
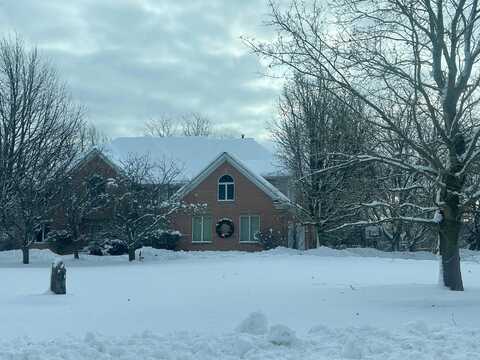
[(95, 165), (249, 200)]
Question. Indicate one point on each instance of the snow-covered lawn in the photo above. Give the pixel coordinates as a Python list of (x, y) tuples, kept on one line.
[(359, 304)]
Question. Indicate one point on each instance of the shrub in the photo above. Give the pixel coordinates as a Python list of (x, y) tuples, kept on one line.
[(270, 239), (116, 247), (109, 247), (60, 241), (162, 239), (8, 242), (96, 250)]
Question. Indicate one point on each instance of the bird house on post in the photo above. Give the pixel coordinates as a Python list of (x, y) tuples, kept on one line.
[(58, 278)]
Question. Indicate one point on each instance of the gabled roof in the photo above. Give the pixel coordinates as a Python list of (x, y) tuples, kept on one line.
[(84, 159), (191, 153), (275, 194)]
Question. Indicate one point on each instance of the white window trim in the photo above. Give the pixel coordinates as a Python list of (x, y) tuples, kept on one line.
[(225, 185), (201, 232), (249, 229)]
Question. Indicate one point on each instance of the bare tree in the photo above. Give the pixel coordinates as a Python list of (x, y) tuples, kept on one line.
[(38, 131), (91, 137), (420, 54), (398, 194), (315, 121), (163, 126), (196, 124), (141, 202), (77, 201)]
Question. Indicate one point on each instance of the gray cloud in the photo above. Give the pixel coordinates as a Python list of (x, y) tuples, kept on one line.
[(127, 60)]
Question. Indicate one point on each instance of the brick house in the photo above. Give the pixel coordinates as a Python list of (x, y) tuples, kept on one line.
[(240, 204), (94, 163), (243, 190)]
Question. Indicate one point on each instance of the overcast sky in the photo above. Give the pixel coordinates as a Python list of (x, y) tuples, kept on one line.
[(130, 60)]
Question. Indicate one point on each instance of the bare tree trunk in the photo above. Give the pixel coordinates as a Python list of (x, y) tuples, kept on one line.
[(131, 253), (26, 254), (396, 243), (448, 235), (320, 241), (448, 239)]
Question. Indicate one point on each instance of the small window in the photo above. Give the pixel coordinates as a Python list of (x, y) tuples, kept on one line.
[(249, 228), (226, 188), (202, 229)]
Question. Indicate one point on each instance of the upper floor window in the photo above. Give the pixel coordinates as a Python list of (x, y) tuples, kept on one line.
[(226, 188)]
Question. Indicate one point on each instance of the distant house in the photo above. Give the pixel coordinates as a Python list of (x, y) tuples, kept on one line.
[(245, 192)]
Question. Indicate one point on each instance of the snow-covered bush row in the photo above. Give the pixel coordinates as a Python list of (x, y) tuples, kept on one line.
[(415, 340)]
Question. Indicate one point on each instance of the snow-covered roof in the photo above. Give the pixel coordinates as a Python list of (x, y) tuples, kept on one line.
[(275, 194), (192, 154)]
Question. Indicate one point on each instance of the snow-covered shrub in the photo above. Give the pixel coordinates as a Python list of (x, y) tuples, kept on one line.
[(270, 239), (60, 241), (109, 247), (96, 249), (116, 247), (8, 242), (162, 239)]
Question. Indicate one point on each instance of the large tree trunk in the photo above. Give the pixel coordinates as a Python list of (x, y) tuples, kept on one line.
[(449, 230), (26, 254), (448, 238), (320, 237), (395, 243), (131, 253), (76, 242)]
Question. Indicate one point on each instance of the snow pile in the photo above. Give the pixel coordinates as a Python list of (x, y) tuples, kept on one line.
[(353, 348), (324, 251), (413, 341), (282, 335), (255, 324), (43, 257), (360, 302)]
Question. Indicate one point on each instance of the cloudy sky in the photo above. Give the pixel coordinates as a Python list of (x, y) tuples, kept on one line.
[(130, 60)]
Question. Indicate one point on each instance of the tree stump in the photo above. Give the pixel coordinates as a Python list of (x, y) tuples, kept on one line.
[(58, 278)]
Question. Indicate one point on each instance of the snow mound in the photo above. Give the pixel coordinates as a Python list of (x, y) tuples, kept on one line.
[(352, 348), (452, 343), (255, 324), (282, 335), (43, 257)]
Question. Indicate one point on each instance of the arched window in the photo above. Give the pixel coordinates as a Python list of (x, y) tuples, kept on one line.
[(226, 188)]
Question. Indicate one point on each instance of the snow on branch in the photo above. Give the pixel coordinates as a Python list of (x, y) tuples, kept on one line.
[(386, 220)]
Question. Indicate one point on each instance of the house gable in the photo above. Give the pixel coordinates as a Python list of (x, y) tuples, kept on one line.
[(225, 158), (250, 200), (95, 162)]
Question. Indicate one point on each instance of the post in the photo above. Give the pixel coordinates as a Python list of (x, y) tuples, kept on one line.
[(58, 278)]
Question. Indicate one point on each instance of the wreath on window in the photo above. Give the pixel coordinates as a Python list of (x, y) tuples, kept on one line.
[(225, 228)]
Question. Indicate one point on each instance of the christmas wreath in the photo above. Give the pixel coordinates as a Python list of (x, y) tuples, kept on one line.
[(225, 228)]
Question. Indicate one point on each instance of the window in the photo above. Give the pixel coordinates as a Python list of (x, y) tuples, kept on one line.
[(249, 228), (226, 188), (202, 229)]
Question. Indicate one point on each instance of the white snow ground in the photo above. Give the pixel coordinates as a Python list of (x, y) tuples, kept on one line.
[(320, 304)]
